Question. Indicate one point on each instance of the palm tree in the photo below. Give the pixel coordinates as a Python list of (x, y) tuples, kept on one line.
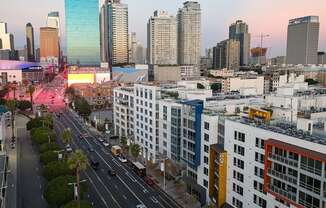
[(135, 150), (124, 142), (47, 121), (66, 136), (31, 90), (78, 162)]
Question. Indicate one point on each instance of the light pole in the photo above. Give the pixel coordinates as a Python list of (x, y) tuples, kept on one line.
[(163, 168), (76, 194)]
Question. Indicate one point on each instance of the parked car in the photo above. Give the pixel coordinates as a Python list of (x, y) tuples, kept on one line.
[(106, 144), (140, 206), (149, 181), (122, 159), (94, 164), (100, 139), (68, 148)]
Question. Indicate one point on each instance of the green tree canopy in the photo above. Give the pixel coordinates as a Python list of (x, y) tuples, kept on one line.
[(200, 86), (48, 147), (42, 135), (311, 81), (135, 150), (58, 191), (24, 105), (216, 87), (74, 204), (82, 107), (49, 156), (55, 169), (66, 136)]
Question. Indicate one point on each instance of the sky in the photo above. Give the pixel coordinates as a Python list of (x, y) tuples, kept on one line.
[(263, 16)]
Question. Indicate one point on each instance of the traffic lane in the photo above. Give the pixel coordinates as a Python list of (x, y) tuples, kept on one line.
[(116, 187), (163, 196), (128, 177), (99, 190)]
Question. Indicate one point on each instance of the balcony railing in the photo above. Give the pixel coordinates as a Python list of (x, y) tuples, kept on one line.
[(287, 194), (307, 204), (284, 160), (310, 169), (282, 176), (310, 187)]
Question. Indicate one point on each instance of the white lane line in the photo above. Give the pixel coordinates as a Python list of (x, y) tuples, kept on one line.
[(116, 162), (131, 177), (154, 199), (98, 192)]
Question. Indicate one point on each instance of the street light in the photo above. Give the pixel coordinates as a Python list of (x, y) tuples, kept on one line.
[(75, 187)]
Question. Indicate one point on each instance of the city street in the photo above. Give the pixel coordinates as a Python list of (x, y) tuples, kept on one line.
[(124, 190)]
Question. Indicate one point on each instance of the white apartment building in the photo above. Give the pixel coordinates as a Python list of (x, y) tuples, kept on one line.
[(162, 39), (272, 165), (256, 84), (282, 80)]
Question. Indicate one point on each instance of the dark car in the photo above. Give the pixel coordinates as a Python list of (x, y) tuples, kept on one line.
[(91, 149), (112, 172), (149, 181), (94, 164)]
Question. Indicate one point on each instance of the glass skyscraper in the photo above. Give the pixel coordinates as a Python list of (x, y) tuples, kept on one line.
[(82, 32)]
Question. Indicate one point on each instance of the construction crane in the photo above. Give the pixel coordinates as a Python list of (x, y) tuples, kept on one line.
[(262, 36)]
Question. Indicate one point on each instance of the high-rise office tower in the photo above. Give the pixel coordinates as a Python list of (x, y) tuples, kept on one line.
[(162, 39), (302, 40), (189, 33), (6, 39), (114, 32), (82, 32), (226, 54), (132, 47), (53, 20), (49, 45), (239, 31), (30, 42)]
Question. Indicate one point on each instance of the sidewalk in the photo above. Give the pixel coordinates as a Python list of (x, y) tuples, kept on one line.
[(176, 190)]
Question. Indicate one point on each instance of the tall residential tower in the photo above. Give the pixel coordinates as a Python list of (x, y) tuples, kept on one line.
[(82, 32), (30, 42), (189, 33), (302, 40), (239, 31), (162, 39)]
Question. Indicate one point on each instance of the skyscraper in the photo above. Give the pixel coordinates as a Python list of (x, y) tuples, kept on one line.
[(239, 31), (53, 20), (82, 32), (6, 39), (302, 40), (49, 45), (30, 42), (226, 54), (189, 33), (162, 39), (114, 32)]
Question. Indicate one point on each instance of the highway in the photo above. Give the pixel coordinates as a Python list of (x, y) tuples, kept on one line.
[(126, 189)]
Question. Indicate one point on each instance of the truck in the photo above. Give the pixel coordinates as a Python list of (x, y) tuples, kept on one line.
[(116, 150)]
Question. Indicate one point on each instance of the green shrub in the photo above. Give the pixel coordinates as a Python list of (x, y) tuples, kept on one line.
[(48, 157), (55, 169)]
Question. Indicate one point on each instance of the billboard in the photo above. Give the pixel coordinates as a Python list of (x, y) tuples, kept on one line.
[(81, 79)]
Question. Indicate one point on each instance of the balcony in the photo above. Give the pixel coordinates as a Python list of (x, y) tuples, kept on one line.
[(310, 187), (310, 169), (287, 178), (291, 196), (307, 204), (284, 160)]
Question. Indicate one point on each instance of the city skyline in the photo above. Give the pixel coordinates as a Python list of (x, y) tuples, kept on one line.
[(269, 18)]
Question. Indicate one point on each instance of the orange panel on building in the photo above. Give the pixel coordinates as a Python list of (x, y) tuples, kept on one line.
[(49, 42)]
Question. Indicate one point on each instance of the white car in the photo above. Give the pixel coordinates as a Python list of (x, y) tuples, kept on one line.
[(140, 206), (122, 159), (105, 144), (100, 139), (68, 148)]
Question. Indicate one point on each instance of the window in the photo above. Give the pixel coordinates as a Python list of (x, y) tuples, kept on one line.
[(259, 187), (238, 189), (259, 201), (205, 183), (239, 149), (259, 172), (206, 125), (206, 148), (206, 160), (238, 163), (206, 171), (238, 176), (308, 199), (310, 183), (260, 143), (237, 203), (259, 157), (239, 136), (206, 137)]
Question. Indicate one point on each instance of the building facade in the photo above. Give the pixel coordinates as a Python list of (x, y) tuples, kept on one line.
[(82, 32), (227, 55), (302, 40), (239, 31), (189, 33), (30, 42), (53, 20), (162, 39), (6, 39), (49, 45)]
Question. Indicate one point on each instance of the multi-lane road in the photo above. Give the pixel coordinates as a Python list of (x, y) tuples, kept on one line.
[(126, 189)]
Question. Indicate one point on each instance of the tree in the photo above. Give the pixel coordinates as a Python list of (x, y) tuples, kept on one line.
[(200, 86), (60, 191), (311, 81), (31, 90), (82, 107), (11, 105), (47, 121), (47, 157), (135, 150), (216, 87), (66, 136), (78, 162), (74, 204), (71, 93), (23, 105), (42, 135), (124, 142), (55, 169), (48, 147)]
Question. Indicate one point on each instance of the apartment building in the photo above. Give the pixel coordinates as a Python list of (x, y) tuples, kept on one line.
[(272, 164)]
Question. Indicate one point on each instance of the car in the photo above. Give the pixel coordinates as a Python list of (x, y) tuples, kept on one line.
[(122, 159), (100, 139), (68, 148), (149, 181), (94, 164), (112, 172), (80, 136), (106, 144), (140, 206), (91, 149)]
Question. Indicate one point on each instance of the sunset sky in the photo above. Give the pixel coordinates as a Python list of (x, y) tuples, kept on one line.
[(263, 16)]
